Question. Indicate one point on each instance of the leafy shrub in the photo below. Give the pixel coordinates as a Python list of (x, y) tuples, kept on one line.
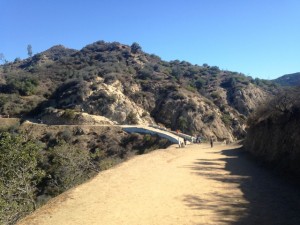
[(69, 114), (177, 96), (191, 89), (144, 114), (227, 120), (24, 85), (215, 95), (135, 47), (183, 123), (131, 118), (69, 166), (146, 73), (107, 163), (19, 175), (65, 135), (199, 83)]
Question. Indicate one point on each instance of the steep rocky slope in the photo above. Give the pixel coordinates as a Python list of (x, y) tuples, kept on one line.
[(129, 86)]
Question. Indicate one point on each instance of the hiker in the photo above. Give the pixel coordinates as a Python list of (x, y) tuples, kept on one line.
[(200, 139), (211, 142)]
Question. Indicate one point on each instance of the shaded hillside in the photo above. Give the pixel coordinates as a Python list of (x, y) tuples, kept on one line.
[(129, 86), (289, 80), (273, 135)]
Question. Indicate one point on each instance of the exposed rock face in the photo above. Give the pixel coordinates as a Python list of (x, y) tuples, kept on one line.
[(247, 99), (69, 117), (195, 113), (111, 102)]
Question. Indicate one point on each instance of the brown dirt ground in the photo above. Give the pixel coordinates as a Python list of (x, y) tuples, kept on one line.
[(194, 185)]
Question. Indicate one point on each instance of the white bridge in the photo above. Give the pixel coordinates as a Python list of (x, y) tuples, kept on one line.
[(172, 136)]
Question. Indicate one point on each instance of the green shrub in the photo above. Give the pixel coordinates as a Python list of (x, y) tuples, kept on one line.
[(144, 114), (19, 175), (227, 120), (107, 163), (183, 124), (191, 89), (200, 83), (135, 47), (215, 95), (69, 114), (65, 135), (131, 118), (69, 166), (24, 85)]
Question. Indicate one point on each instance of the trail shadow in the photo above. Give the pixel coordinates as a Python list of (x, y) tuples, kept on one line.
[(266, 198)]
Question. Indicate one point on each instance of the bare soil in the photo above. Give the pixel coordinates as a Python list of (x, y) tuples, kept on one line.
[(192, 185)]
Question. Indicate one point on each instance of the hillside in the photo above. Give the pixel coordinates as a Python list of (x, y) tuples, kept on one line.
[(289, 80), (273, 133), (128, 86)]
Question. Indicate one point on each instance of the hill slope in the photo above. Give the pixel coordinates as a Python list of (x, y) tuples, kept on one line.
[(273, 134), (129, 86), (289, 80)]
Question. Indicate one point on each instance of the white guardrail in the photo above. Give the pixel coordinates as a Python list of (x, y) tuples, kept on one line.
[(162, 132), (172, 136), (182, 135)]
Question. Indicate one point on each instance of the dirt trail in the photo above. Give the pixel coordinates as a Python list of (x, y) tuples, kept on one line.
[(194, 185)]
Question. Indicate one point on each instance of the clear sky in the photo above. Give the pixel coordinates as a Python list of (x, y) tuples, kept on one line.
[(260, 38)]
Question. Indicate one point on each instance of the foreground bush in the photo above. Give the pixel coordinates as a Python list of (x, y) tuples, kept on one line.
[(32, 172), (19, 175)]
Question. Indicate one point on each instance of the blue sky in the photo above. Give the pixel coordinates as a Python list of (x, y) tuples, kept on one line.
[(260, 38)]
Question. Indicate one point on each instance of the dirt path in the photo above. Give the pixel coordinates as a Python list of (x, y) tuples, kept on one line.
[(195, 185)]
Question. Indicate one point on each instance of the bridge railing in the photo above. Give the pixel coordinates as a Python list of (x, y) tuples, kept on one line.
[(133, 129), (182, 135)]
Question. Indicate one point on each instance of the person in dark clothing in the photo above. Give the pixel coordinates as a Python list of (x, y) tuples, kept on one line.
[(199, 139), (184, 140), (211, 142)]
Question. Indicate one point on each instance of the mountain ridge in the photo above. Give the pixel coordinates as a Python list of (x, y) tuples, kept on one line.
[(292, 79), (129, 86)]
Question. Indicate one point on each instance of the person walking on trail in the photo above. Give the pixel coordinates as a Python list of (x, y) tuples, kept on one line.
[(211, 142), (179, 143), (199, 139)]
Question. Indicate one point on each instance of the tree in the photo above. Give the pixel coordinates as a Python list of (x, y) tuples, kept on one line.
[(18, 59), (199, 83), (132, 118), (232, 82), (29, 50), (19, 175), (135, 47), (183, 123), (2, 58), (23, 85)]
